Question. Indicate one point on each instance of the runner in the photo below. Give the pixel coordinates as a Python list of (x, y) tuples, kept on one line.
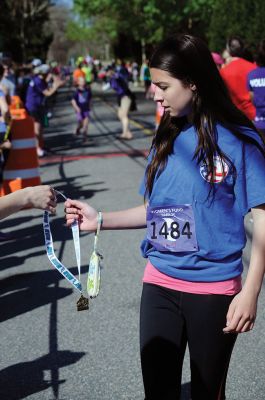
[(125, 100), (206, 170), (81, 104)]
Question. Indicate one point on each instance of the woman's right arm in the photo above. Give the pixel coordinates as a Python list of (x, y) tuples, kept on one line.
[(132, 218)]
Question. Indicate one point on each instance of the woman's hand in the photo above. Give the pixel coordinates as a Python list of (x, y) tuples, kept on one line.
[(241, 313), (79, 211), (42, 197)]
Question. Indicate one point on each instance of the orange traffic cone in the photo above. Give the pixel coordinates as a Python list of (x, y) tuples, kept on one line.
[(18, 113), (22, 166), (16, 103)]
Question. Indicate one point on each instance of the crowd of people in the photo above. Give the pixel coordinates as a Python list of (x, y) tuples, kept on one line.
[(205, 172)]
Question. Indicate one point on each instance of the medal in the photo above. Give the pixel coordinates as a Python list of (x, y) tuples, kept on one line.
[(82, 303)]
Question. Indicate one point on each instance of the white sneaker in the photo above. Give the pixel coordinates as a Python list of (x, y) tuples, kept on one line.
[(40, 152)]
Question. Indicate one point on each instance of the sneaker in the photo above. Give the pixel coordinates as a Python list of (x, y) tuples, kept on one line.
[(41, 152)]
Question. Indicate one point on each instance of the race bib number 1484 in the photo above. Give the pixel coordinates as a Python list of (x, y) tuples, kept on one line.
[(172, 228)]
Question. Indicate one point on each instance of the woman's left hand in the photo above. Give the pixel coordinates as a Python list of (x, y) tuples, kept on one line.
[(241, 313)]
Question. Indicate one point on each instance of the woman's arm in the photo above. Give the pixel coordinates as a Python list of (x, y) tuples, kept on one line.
[(242, 311), (132, 218), (55, 86), (31, 197), (5, 115)]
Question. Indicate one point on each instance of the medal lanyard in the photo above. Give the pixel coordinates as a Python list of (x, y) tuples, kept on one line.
[(50, 250)]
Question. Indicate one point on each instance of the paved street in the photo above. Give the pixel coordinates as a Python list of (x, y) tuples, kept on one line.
[(48, 350)]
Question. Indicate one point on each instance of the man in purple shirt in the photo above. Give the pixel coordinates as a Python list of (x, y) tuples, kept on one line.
[(36, 93), (256, 87)]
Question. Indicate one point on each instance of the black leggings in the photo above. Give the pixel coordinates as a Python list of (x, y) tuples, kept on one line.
[(169, 320)]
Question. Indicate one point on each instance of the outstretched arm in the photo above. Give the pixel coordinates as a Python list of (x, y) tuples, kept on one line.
[(41, 197), (242, 311), (132, 218)]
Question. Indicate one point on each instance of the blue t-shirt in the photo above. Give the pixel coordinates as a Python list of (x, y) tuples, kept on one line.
[(83, 98), (35, 97), (219, 221), (256, 84)]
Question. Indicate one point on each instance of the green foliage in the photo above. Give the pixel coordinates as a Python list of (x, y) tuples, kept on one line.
[(236, 17), (150, 20)]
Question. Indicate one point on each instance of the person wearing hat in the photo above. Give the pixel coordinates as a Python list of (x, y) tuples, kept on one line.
[(36, 62), (36, 93)]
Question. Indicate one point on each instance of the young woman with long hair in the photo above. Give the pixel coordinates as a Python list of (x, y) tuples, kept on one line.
[(205, 172)]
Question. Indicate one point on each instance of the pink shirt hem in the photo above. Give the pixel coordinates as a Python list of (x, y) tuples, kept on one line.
[(228, 287)]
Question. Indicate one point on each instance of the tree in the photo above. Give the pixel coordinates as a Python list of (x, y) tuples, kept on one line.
[(21, 28), (236, 17), (146, 21), (59, 17)]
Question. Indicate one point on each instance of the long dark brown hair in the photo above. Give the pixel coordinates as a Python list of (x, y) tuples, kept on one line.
[(188, 59)]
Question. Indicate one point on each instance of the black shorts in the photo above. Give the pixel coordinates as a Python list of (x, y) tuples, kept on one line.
[(38, 115)]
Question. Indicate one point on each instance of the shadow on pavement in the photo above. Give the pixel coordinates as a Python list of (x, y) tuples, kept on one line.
[(23, 379), (22, 293), (185, 391)]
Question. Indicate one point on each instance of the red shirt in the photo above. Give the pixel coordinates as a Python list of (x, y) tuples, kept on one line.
[(235, 76)]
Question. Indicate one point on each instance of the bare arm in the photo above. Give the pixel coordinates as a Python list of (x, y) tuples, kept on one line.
[(41, 197), (5, 115), (257, 260), (56, 84), (132, 218), (75, 106), (242, 311)]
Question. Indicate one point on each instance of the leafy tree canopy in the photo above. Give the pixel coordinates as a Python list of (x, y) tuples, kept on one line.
[(21, 28)]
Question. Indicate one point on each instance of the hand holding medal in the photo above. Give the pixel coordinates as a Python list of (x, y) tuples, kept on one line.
[(88, 219)]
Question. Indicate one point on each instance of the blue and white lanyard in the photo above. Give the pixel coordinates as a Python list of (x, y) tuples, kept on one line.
[(50, 250)]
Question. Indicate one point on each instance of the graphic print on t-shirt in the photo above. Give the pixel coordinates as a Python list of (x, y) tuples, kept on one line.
[(221, 170)]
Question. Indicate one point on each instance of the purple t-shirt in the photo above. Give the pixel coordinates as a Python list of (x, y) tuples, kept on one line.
[(83, 98), (35, 96), (256, 84), (118, 84)]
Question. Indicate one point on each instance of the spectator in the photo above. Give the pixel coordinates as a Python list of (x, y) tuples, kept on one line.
[(8, 79), (235, 75), (37, 92), (256, 87), (218, 59)]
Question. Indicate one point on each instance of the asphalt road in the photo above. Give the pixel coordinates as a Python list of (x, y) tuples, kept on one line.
[(48, 349)]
